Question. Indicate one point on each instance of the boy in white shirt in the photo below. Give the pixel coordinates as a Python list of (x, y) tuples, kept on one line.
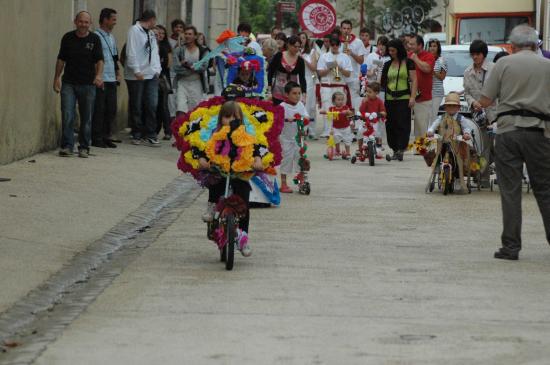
[(291, 151), (354, 48)]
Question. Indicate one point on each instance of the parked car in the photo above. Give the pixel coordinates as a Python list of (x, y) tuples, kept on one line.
[(441, 37), (458, 59)]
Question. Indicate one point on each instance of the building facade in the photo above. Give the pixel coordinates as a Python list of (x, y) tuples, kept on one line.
[(30, 117), (349, 9)]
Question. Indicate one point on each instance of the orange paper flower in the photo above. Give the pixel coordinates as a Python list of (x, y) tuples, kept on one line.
[(225, 35)]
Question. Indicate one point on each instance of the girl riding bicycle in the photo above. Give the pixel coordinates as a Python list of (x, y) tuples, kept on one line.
[(230, 115)]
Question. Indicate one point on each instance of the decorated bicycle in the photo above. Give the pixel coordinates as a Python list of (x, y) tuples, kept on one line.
[(238, 65), (451, 148), (224, 144), (367, 150)]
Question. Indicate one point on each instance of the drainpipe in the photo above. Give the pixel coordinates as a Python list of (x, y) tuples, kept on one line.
[(546, 25), (207, 22)]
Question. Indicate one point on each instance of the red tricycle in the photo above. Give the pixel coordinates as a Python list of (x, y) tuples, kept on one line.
[(364, 123)]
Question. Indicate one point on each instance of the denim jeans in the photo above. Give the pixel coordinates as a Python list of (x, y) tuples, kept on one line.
[(142, 103), (85, 96)]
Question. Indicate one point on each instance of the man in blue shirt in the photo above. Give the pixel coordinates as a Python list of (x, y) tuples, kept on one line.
[(103, 123)]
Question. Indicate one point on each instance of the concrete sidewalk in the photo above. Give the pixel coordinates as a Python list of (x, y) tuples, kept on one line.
[(55, 207), (368, 269)]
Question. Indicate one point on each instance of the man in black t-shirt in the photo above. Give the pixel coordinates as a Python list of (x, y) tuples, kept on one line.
[(80, 60)]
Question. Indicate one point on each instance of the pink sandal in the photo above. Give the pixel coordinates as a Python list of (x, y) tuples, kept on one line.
[(285, 189)]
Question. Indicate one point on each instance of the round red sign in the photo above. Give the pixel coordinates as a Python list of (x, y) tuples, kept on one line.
[(317, 16)]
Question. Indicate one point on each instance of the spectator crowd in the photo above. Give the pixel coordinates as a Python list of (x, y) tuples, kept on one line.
[(399, 80)]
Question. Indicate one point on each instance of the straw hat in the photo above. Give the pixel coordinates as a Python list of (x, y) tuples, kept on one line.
[(452, 99)]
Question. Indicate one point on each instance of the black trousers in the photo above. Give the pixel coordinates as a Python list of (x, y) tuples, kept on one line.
[(398, 124), (512, 150), (105, 109), (241, 188), (163, 114)]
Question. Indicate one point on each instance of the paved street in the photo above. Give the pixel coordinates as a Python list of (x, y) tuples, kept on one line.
[(367, 270)]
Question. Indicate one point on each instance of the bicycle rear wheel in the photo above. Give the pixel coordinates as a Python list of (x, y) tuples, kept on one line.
[(231, 234)]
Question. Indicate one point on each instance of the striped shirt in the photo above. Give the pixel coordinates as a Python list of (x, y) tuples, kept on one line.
[(437, 88)]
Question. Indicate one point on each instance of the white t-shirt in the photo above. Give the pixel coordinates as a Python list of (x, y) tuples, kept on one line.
[(357, 48), (370, 49), (290, 129), (326, 61), (376, 62), (292, 110)]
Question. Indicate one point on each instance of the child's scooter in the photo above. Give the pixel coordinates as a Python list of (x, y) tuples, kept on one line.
[(301, 179), (368, 149)]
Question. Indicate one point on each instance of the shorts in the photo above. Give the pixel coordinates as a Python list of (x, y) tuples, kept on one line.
[(343, 135)]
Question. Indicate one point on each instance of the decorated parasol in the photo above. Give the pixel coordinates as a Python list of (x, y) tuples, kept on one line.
[(198, 133)]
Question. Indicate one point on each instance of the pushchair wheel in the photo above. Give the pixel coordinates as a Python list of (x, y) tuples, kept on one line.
[(353, 159)]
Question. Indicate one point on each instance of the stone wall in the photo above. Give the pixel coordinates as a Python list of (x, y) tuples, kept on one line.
[(30, 120), (30, 116)]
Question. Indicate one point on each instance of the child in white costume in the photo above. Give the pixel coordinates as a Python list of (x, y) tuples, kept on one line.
[(291, 151)]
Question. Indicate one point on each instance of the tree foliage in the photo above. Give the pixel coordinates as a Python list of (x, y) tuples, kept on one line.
[(259, 13)]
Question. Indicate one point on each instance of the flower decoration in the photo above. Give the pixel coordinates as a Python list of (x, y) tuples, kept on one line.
[(225, 35), (197, 133), (423, 145), (253, 65)]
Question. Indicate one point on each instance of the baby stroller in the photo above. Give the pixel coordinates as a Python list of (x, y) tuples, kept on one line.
[(452, 159)]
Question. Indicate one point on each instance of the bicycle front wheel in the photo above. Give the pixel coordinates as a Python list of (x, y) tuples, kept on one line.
[(231, 235), (372, 152)]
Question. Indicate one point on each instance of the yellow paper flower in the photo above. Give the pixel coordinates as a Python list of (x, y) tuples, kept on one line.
[(190, 160), (246, 160)]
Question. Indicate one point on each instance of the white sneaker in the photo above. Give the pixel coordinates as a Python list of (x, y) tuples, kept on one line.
[(242, 243), (247, 250), (208, 215)]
